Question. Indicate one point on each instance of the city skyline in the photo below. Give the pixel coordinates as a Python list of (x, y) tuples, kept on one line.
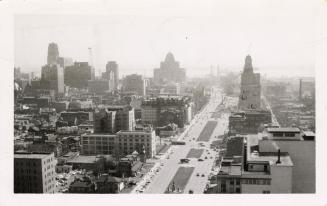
[(279, 45)]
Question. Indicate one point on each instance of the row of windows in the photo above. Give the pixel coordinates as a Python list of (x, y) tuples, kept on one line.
[(27, 163), (281, 134), (231, 182), (256, 181)]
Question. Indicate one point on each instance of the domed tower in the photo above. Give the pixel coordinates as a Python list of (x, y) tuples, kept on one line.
[(169, 71), (169, 57)]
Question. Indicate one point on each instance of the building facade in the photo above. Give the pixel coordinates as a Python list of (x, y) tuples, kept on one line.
[(163, 111), (34, 173), (52, 78), (78, 75), (120, 144), (112, 74), (248, 121), (249, 171), (104, 121), (169, 71), (250, 96), (124, 119), (134, 83)]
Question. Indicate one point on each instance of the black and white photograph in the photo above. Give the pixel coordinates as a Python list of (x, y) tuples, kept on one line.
[(212, 98)]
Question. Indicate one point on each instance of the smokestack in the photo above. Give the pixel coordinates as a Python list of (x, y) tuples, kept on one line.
[(278, 160)]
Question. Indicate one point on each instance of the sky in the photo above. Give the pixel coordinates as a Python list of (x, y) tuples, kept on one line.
[(280, 36)]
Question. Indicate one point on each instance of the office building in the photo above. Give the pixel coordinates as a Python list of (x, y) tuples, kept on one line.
[(130, 141), (52, 78), (78, 75), (163, 111), (278, 160), (112, 73), (169, 71), (306, 88), (94, 144), (104, 121), (99, 86), (301, 148), (135, 84), (34, 173), (120, 144), (248, 121), (250, 96), (53, 54), (245, 170), (124, 118), (65, 62)]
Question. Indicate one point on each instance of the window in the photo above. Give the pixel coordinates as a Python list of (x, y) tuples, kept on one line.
[(277, 134), (238, 190), (266, 192), (231, 182), (289, 134), (223, 188), (237, 182)]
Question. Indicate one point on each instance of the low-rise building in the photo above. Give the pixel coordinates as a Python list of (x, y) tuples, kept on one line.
[(108, 184), (253, 171), (248, 121), (120, 144), (162, 111), (130, 141), (82, 186), (129, 165)]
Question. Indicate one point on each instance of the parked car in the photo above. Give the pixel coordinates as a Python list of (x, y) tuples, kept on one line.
[(200, 160)]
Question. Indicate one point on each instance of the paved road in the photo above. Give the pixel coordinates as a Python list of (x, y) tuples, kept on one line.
[(161, 180)]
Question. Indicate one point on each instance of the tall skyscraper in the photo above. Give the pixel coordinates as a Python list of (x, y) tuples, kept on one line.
[(52, 75), (78, 75), (134, 83), (250, 95), (112, 73), (53, 53), (169, 71)]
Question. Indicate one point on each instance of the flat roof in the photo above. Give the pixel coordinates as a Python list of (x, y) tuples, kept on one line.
[(235, 170), (309, 133), (83, 159), (284, 129), (99, 135), (31, 156), (285, 160)]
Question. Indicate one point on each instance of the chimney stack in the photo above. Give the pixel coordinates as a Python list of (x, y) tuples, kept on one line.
[(278, 160)]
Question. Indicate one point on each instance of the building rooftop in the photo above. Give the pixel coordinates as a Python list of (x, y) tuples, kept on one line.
[(234, 170), (284, 129), (99, 134), (309, 133), (31, 155), (271, 157), (235, 147), (80, 184), (84, 159)]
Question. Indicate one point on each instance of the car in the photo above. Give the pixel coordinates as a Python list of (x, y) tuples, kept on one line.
[(200, 160), (205, 157), (211, 157), (197, 174), (202, 175)]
